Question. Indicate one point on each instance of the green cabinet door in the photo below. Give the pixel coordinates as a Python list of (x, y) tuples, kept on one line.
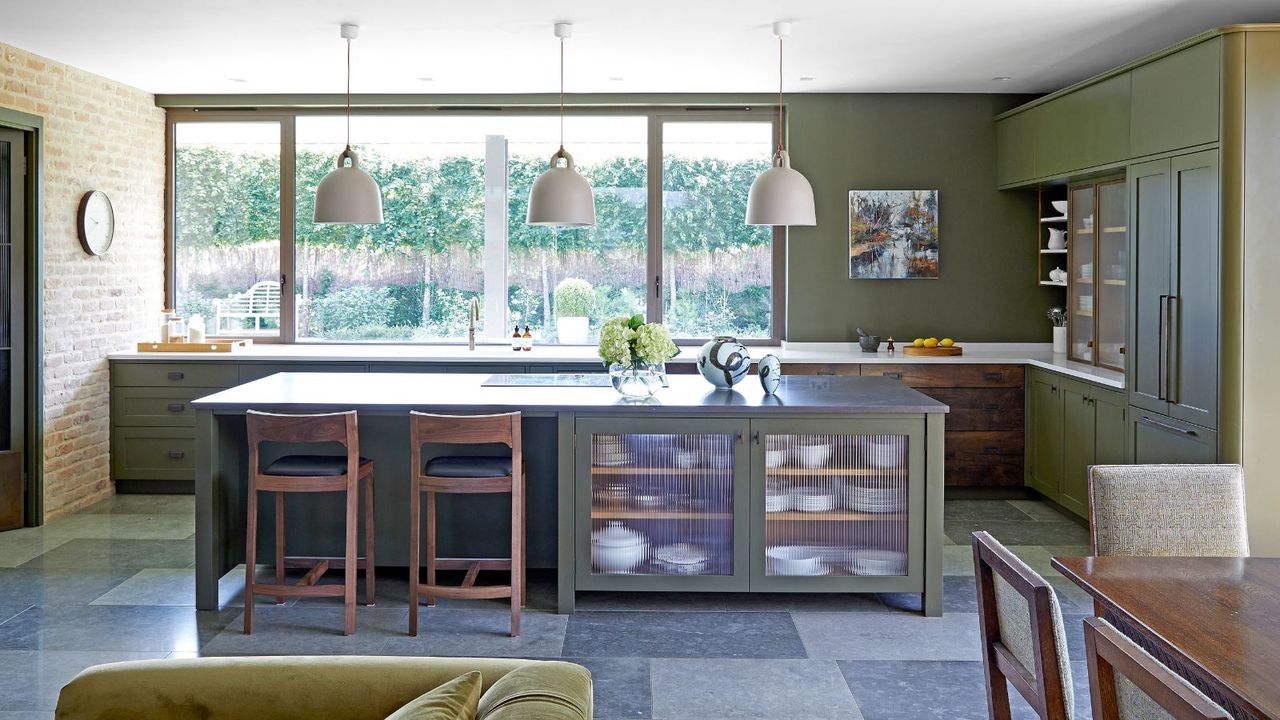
[(1111, 429), (1077, 446), (1161, 440), (1176, 100), (1046, 433), (1192, 374), (1149, 284), (1015, 148), (1083, 129)]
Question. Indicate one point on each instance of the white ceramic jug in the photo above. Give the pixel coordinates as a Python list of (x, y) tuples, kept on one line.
[(1057, 239)]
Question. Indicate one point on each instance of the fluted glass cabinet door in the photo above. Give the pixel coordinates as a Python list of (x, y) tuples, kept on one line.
[(837, 504), (1080, 245), (1112, 275), (659, 505)]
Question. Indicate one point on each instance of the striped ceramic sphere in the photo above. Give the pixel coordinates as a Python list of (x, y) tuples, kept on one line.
[(724, 361), (770, 370)]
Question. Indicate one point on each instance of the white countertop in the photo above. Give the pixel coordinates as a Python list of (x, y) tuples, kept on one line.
[(1036, 354)]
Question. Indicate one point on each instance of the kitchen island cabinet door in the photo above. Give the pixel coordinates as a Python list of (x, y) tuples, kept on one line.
[(661, 504), (837, 505)]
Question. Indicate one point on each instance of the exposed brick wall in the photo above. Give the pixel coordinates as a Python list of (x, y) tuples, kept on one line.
[(99, 135)]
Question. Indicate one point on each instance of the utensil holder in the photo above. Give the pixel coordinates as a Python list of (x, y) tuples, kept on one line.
[(1060, 340)]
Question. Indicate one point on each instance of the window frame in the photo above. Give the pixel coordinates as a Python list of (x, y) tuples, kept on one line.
[(655, 116)]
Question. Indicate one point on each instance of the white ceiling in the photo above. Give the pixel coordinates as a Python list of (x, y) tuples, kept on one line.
[(507, 46)]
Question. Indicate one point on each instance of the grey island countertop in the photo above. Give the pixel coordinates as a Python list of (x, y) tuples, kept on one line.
[(394, 392)]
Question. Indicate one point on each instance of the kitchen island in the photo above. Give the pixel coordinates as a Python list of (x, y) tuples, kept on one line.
[(832, 484)]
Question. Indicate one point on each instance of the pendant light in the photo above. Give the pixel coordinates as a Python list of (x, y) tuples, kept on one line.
[(560, 196), (781, 195), (348, 195)]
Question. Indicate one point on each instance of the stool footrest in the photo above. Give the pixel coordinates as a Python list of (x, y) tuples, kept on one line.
[(307, 561), (468, 563), (453, 592), (299, 590), (314, 574)]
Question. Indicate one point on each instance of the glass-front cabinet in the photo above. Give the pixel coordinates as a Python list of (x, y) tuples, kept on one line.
[(1098, 259), (761, 505)]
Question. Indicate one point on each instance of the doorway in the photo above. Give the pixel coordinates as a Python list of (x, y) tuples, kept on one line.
[(13, 405)]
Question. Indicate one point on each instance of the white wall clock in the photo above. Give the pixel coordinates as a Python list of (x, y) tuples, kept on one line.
[(96, 222)]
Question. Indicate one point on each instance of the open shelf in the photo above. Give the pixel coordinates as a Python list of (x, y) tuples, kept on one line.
[(1053, 283), (1053, 219), (1046, 251)]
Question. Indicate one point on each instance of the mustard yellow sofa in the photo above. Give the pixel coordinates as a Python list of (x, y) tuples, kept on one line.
[(335, 688)]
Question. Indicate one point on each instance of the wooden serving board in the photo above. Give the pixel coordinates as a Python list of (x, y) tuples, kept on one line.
[(933, 351), (218, 346)]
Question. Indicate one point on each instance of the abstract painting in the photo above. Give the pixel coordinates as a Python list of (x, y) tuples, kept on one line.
[(893, 234)]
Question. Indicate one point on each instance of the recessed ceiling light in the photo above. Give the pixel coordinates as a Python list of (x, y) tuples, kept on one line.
[(238, 80), (426, 79), (615, 78), (1001, 78), (807, 78)]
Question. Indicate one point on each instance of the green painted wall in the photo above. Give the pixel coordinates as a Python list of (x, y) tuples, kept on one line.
[(986, 291)]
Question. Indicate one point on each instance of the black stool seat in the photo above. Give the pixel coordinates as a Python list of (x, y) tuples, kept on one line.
[(468, 466), (310, 465)]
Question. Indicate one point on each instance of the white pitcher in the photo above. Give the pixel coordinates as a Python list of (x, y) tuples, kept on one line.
[(1057, 239)]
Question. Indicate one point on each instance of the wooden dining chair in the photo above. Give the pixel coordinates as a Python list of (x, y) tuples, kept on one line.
[(1023, 640), (1127, 683), (465, 474), (1169, 510), (310, 474)]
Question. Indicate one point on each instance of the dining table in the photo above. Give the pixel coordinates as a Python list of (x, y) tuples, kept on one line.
[(1213, 620)]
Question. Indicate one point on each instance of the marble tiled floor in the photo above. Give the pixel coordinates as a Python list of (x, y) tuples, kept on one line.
[(115, 583)]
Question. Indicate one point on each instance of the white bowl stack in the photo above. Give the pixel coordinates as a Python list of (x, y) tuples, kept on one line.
[(873, 561)]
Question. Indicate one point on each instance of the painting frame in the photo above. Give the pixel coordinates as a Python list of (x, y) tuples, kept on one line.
[(893, 235)]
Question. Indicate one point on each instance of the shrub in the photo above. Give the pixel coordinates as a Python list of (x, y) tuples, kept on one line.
[(574, 298), (349, 308)]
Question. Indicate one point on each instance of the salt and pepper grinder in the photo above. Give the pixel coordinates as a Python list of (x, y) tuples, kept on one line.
[(526, 339), (517, 341), (890, 343)]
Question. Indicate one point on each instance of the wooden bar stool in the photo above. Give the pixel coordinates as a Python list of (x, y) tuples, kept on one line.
[(456, 474), (310, 474)]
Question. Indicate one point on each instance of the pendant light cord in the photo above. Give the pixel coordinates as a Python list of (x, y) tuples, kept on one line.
[(348, 93), (561, 94), (781, 148)]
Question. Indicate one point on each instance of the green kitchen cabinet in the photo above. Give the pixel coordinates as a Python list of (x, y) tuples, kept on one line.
[(1084, 129), (1044, 425), (1159, 440), (1173, 367), (1177, 100), (1015, 148), (1073, 425)]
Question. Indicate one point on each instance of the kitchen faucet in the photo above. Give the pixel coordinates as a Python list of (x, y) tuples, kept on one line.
[(472, 317)]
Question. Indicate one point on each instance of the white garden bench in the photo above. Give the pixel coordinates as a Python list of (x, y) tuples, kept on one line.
[(258, 303)]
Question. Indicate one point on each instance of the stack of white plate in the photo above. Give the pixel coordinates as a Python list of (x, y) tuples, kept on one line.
[(812, 499), (776, 501), (681, 559), (873, 561), (798, 560), (874, 496), (609, 451)]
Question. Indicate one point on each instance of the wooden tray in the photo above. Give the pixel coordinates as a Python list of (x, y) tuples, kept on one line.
[(217, 346), (933, 351)]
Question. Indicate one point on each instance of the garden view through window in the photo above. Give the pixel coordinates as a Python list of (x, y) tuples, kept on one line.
[(455, 192)]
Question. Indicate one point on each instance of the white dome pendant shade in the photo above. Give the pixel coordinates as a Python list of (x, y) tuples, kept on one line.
[(781, 195), (561, 197), (348, 195)]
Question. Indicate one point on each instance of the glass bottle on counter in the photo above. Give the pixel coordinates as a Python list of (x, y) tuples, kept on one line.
[(526, 340), (517, 340), (177, 329), (165, 316), (195, 329)]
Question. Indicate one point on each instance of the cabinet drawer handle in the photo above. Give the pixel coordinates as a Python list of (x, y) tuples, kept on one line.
[(993, 376), (176, 407), (1167, 427), (176, 454), (826, 372), (176, 375), (893, 375), (991, 450), (992, 407)]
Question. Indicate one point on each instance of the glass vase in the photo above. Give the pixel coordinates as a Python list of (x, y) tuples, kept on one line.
[(638, 381)]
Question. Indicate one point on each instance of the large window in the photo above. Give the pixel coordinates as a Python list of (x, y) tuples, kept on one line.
[(455, 188)]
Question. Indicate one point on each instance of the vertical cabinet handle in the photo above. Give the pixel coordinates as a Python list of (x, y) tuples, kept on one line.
[(755, 437), (1163, 358), (1173, 307)]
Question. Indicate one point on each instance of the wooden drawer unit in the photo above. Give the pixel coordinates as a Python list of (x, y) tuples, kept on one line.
[(821, 369), (155, 406), (170, 374), (152, 453), (985, 459), (949, 375), (982, 409)]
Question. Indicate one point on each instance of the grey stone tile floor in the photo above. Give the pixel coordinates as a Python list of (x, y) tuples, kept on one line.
[(115, 582)]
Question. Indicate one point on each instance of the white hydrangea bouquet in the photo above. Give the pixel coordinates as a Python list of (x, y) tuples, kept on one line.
[(635, 353)]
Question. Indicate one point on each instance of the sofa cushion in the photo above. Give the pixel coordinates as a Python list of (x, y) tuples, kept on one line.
[(310, 465), (547, 691), (468, 466), (454, 700)]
